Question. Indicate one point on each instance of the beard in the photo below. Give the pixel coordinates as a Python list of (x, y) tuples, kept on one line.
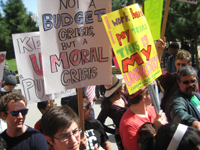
[(190, 91)]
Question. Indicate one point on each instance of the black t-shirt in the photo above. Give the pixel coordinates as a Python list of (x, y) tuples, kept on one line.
[(95, 133), (29, 140)]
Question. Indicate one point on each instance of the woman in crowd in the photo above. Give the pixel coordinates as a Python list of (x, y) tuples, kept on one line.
[(94, 131), (138, 114), (173, 136), (114, 105), (61, 127)]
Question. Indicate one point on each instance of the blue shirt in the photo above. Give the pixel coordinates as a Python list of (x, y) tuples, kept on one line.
[(172, 65)]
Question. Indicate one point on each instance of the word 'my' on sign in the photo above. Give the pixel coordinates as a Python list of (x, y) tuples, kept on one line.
[(133, 46)]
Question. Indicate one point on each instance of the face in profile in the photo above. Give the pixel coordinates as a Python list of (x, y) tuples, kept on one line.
[(15, 116), (67, 139), (87, 108)]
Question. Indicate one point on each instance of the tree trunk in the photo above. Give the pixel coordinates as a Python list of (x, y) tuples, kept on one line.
[(196, 50)]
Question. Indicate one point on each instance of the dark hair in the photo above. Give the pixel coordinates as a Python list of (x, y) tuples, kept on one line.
[(42, 105), (190, 140), (16, 96), (73, 103), (137, 98), (57, 118), (187, 70)]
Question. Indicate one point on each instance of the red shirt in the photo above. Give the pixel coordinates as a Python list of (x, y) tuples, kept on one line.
[(130, 124)]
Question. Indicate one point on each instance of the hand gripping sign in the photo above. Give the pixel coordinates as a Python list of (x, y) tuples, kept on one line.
[(133, 46)]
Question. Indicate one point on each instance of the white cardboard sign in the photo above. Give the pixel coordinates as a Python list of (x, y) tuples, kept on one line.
[(27, 48), (2, 63), (75, 47)]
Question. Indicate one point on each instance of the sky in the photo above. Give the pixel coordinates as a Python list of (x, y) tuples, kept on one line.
[(31, 5)]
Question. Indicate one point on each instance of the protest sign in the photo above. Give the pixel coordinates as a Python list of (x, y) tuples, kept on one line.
[(133, 46), (2, 63), (189, 1), (75, 47), (153, 14), (29, 63)]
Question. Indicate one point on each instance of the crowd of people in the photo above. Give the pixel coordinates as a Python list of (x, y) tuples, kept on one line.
[(137, 126)]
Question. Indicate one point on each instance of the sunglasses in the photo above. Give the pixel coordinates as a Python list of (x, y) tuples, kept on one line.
[(15, 113), (191, 81), (87, 106), (179, 64)]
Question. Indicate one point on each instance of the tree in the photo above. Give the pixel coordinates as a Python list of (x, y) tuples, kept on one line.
[(116, 4), (183, 23), (16, 20)]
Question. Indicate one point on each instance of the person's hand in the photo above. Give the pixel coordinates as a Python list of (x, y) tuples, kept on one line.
[(83, 143), (95, 99), (95, 148), (160, 46), (160, 120), (196, 124)]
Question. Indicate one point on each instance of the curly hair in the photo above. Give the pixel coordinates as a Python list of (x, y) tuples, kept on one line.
[(16, 96)]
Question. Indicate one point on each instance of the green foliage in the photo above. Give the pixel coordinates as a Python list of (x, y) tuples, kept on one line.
[(116, 4), (183, 22), (12, 64), (14, 20)]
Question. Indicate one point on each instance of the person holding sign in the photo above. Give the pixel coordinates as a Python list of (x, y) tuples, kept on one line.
[(114, 105), (61, 127), (138, 114), (18, 135), (94, 131), (167, 80)]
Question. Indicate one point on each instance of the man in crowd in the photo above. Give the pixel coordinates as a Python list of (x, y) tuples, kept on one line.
[(18, 135), (9, 84), (184, 105), (168, 80), (42, 106), (173, 50)]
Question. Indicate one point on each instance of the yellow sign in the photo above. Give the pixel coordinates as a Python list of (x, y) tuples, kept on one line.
[(133, 46)]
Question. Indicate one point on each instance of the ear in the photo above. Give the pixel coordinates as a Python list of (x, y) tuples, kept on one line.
[(49, 139), (42, 111), (3, 115), (179, 83)]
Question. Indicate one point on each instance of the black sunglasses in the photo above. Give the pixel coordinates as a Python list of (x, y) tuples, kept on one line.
[(15, 113), (87, 106), (187, 82)]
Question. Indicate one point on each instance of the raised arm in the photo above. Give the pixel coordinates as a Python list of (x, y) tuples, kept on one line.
[(160, 46)]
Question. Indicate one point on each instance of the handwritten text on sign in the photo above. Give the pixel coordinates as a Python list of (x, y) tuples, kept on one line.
[(29, 62), (133, 46), (75, 47)]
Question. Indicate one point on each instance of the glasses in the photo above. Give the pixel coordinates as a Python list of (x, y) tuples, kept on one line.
[(87, 106), (187, 82), (76, 133), (179, 64), (15, 113)]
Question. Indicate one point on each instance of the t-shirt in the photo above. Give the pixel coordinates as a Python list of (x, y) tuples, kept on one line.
[(129, 127), (31, 139), (195, 101), (94, 133)]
